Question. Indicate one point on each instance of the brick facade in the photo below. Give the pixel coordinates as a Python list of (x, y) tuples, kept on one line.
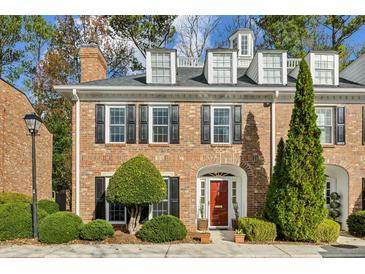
[(16, 147)]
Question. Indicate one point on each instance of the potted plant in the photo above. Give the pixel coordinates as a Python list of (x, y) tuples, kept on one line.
[(239, 236), (235, 221), (205, 237), (202, 222)]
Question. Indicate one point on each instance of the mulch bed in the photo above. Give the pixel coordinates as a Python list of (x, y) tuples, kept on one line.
[(118, 238)]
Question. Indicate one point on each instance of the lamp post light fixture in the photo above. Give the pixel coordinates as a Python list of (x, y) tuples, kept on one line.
[(33, 123)]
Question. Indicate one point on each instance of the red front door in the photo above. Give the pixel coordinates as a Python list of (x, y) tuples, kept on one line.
[(218, 203)]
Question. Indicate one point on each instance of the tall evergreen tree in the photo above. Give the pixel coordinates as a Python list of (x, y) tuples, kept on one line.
[(275, 188), (301, 207)]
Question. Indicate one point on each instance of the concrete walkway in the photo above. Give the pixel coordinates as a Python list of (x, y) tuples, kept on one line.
[(222, 246)]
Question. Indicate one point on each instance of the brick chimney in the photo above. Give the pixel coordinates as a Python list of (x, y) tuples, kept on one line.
[(93, 64)]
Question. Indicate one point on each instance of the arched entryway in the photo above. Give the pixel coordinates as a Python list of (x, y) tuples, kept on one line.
[(337, 180), (221, 194)]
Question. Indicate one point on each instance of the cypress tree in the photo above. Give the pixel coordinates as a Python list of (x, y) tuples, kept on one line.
[(301, 208), (274, 192)]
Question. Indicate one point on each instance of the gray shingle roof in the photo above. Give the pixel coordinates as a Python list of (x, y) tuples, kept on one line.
[(193, 77)]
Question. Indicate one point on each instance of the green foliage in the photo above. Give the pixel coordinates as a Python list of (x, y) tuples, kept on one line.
[(275, 187), (16, 220), (136, 182), (48, 206), (97, 230), (328, 231), (12, 197), (356, 223), (257, 229), (60, 227), (164, 228), (146, 31), (299, 207)]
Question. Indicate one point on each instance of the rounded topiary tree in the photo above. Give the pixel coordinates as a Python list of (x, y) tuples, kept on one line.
[(136, 183), (300, 205)]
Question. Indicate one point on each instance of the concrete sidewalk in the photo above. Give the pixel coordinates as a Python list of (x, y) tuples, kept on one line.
[(222, 246)]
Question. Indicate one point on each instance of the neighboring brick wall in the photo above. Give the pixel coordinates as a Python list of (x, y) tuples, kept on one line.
[(184, 159), (16, 147), (350, 156)]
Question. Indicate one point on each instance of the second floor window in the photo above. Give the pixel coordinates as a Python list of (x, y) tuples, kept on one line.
[(221, 124), (161, 68), (116, 120), (323, 69), (159, 124), (325, 123), (222, 68), (272, 67)]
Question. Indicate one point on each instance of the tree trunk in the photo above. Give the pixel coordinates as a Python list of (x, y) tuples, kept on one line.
[(133, 225)]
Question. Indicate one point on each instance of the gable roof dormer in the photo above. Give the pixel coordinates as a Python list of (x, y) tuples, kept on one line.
[(269, 67), (220, 66), (243, 40), (324, 67), (161, 66)]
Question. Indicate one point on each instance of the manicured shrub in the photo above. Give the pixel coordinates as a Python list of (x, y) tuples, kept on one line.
[(356, 223), (257, 229), (49, 206), (60, 227), (97, 230), (164, 228), (16, 220), (12, 197), (328, 231), (135, 184)]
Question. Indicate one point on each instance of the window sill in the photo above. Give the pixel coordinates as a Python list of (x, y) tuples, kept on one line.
[(115, 144), (328, 146), (158, 145), (221, 145)]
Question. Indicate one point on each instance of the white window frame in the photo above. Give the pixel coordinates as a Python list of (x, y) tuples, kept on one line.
[(332, 70), (157, 67), (248, 45), (215, 80), (150, 214), (150, 124), (212, 124), (107, 207), (107, 123), (332, 123), (280, 69)]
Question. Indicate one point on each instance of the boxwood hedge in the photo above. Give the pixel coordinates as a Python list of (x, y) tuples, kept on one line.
[(257, 229), (97, 230), (328, 231), (12, 197), (356, 223), (49, 206)]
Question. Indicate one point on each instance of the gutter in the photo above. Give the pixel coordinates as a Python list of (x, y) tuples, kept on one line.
[(77, 168), (273, 129)]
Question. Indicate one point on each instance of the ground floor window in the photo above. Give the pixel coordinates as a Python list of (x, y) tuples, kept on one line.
[(115, 213), (162, 208)]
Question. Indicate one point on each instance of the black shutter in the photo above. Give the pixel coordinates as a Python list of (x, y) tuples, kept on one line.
[(174, 124), (363, 125), (340, 126), (99, 197), (205, 124), (237, 125), (363, 194), (143, 124), (99, 124), (174, 196), (131, 124)]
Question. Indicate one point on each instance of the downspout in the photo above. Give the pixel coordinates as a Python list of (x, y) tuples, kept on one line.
[(273, 129), (77, 168)]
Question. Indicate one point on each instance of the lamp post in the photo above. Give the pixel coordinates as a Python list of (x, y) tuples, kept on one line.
[(33, 123)]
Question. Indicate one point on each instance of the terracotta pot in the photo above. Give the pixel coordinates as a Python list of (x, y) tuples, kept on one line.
[(202, 224), (205, 238), (239, 238)]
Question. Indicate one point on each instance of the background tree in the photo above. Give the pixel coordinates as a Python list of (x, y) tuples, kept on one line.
[(10, 52), (135, 184), (301, 207), (193, 34), (145, 31)]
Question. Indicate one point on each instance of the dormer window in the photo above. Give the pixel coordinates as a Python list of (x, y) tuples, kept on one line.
[(324, 69), (272, 68), (160, 66), (244, 44), (222, 68)]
